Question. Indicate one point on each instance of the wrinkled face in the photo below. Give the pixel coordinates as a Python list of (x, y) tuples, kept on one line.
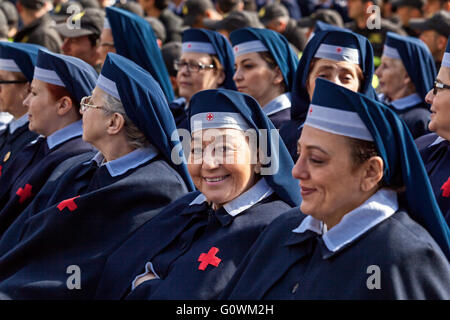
[(254, 77), (220, 164), (330, 185), (391, 74), (340, 72), (190, 83), (106, 44), (42, 108), (440, 106), (12, 94), (95, 119), (80, 47)]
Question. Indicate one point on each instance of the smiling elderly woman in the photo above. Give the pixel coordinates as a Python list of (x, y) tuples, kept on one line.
[(189, 250), (353, 239)]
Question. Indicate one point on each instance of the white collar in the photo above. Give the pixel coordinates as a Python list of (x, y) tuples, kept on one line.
[(406, 102), (279, 103), (438, 140), (74, 129), (255, 194), (373, 211), (16, 124), (127, 162)]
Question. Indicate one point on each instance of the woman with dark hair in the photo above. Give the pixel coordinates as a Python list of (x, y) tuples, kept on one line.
[(265, 69), (339, 56), (353, 237)]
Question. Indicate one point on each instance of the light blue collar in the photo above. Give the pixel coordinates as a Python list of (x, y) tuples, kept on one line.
[(127, 162), (255, 194), (73, 130), (406, 102), (438, 140), (279, 103), (375, 210), (16, 124)]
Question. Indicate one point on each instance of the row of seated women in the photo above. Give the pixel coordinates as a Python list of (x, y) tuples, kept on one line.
[(111, 207)]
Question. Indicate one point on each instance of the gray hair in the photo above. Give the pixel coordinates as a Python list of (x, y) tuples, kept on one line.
[(135, 137)]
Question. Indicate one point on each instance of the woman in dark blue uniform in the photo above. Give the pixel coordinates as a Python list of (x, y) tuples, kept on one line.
[(17, 61), (342, 57), (58, 85), (192, 248), (265, 69), (435, 147), (134, 38), (98, 204), (406, 75), (206, 62), (354, 238)]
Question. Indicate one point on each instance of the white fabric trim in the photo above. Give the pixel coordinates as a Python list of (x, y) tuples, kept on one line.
[(391, 52), (446, 60), (9, 65), (218, 120), (373, 211), (278, 104), (148, 269), (108, 86), (249, 46), (406, 102), (48, 76), (106, 24), (255, 194), (337, 53), (194, 46), (340, 122), (438, 140)]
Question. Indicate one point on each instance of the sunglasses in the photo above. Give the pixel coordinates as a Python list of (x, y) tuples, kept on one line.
[(439, 85)]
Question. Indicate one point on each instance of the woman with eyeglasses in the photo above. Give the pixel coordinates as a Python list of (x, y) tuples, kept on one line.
[(265, 69), (59, 83), (206, 62), (96, 205), (406, 75), (435, 147), (17, 62)]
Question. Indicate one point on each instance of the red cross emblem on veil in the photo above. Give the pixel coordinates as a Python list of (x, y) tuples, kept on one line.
[(189, 45), (446, 188), (338, 49), (210, 116)]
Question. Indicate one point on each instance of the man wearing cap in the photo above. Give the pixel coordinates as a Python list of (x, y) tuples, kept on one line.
[(82, 42), (360, 12), (37, 24), (236, 19), (159, 9), (407, 10), (195, 11), (434, 31), (276, 17)]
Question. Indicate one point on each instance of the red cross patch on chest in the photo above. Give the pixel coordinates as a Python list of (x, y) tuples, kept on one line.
[(68, 203), (209, 258), (25, 193), (446, 188)]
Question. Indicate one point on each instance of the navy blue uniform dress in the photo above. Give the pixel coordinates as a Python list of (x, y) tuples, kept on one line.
[(435, 153), (389, 256), (32, 167), (105, 204), (193, 249), (12, 140)]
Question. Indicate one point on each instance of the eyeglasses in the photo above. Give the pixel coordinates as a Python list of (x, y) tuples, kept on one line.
[(84, 104), (192, 66), (12, 81), (439, 85)]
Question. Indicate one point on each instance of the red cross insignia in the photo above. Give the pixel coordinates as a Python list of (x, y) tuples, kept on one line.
[(189, 45), (310, 110), (24, 193), (236, 48), (68, 203), (210, 116), (338, 49), (209, 259), (446, 188)]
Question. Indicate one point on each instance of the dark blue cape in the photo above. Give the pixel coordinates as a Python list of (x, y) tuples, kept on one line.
[(98, 215)]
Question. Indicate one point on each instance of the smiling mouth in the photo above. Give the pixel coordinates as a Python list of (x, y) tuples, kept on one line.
[(215, 179)]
